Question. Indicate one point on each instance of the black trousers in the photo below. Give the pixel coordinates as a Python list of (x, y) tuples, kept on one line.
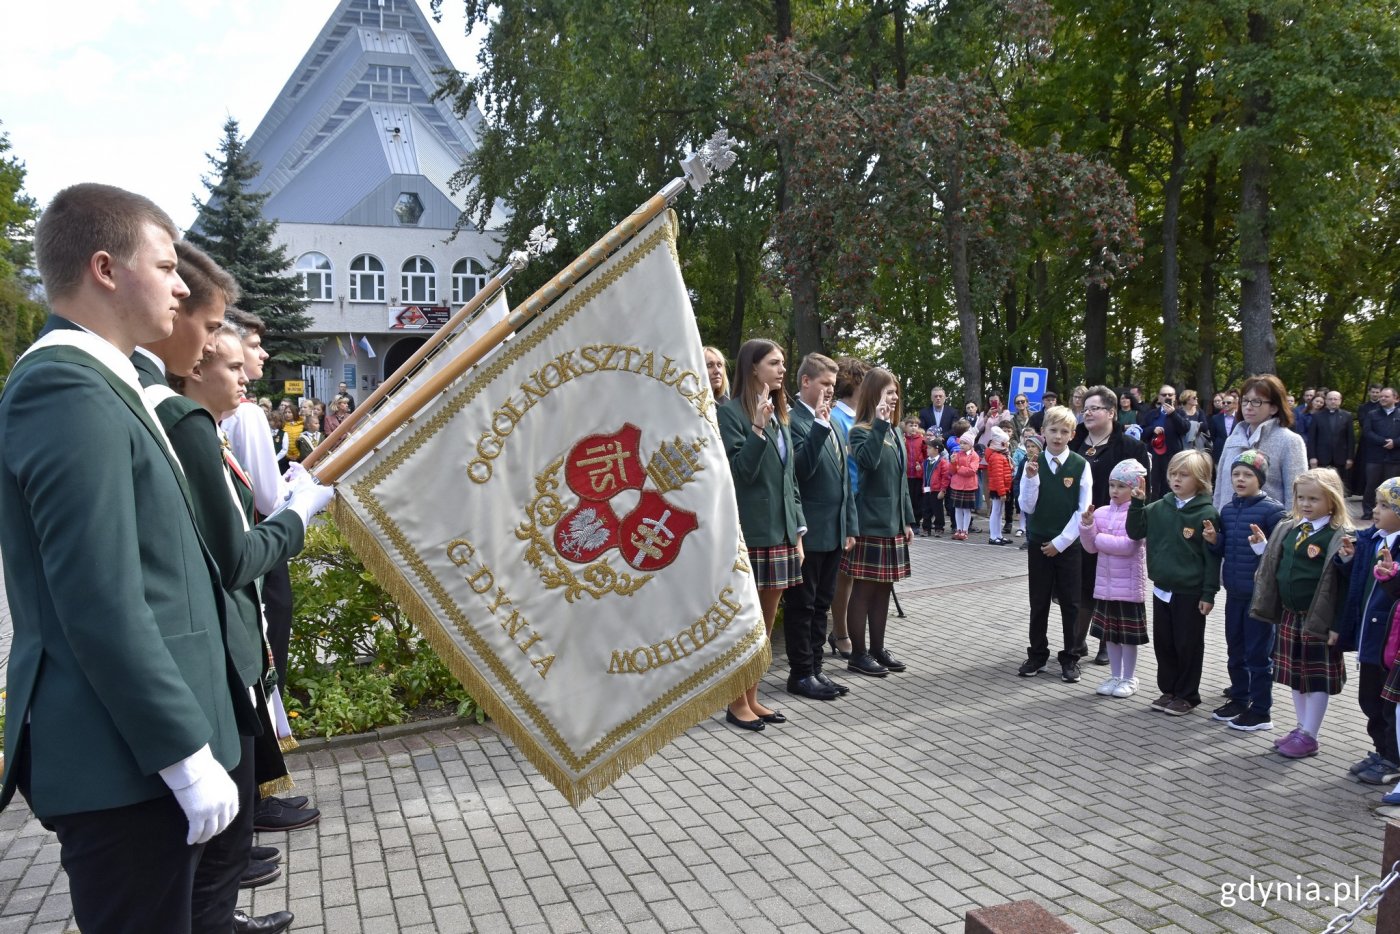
[(1056, 577), (277, 605), (1088, 568), (1179, 641), (916, 496), (226, 856), (1380, 715), (805, 609), (129, 868)]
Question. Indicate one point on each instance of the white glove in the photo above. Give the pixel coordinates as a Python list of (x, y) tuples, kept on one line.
[(204, 792), (308, 498), (295, 472)]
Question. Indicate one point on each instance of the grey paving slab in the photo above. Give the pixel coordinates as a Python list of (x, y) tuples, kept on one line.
[(899, 808)]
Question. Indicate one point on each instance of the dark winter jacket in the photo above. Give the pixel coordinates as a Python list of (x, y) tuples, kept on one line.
[(1232, 544), (1363, 629)]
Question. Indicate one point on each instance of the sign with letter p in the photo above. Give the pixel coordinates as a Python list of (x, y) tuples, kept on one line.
[(1029, 381)]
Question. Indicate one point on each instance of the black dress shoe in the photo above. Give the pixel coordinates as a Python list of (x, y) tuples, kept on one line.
[(265, 854), (863, 664), (774, 717), (271, 817), (884, 658), (732, 720), (812, 687), (296, 802), (275, 923), (836, 686), (258, 874), (1101, 657)]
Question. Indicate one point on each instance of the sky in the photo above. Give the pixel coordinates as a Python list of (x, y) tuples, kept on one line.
[(134, 93)]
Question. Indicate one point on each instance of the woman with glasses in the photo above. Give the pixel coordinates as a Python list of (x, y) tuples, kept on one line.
[(1264, 423)]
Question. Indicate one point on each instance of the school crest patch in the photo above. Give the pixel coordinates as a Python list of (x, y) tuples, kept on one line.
[(1314, 551), (1189, 532)]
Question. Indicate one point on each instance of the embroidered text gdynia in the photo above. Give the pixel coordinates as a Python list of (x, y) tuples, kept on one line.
[(590, 358)]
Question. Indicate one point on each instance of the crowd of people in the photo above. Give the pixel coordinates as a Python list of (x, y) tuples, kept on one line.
[(1121, 504)]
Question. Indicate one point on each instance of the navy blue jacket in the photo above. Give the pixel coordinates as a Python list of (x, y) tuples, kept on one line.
[(1362, 629), (1240, 562)]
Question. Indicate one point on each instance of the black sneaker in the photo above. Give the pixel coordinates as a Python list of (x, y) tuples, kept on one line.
[(1250, 721), (1030, 668), (1070, 671), (1228, 712)]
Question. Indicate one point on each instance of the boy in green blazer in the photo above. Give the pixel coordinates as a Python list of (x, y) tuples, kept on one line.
[(824, 484), (123, 709)]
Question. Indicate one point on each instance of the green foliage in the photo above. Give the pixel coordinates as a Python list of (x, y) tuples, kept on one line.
[(231, 228), (356, 662), (21, 315)]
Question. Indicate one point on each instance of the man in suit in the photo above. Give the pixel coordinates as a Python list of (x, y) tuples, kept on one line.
[(1330, 437), (1223, 422), (1164, 428), (938, 416), (242, 558), (1382, 431), (824, 484), (1363, 411), (123, 711), (1048, 401)]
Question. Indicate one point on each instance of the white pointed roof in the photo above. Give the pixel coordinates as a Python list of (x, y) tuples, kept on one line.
[(355, 127)]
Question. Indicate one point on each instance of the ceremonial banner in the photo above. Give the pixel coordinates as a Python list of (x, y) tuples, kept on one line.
[(561, 524)]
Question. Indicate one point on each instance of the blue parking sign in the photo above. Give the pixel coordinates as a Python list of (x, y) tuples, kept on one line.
[(1030, 382)]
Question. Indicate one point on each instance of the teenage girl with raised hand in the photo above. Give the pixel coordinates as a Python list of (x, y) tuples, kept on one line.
[(754, 427), (884, 520), (1299, 587)]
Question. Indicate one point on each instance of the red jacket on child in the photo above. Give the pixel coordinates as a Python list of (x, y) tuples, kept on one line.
[(999, 473), (941, 476), (916, 452)]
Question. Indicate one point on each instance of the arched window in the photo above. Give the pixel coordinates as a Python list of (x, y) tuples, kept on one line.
[(316, 274), (366, 279), (419, 282), (468, 278)]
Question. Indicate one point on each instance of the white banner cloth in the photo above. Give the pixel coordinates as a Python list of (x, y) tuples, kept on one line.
[(562, 525)]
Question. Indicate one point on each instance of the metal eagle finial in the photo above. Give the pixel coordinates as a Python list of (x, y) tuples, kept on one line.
[(540, 241), (715, 155)]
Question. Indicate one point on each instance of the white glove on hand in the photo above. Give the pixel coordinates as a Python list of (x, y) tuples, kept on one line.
[(204, 792), (295, 472), (308, 498)]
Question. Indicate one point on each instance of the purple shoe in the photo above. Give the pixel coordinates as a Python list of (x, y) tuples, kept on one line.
[(1299, 746), (1283, 739)]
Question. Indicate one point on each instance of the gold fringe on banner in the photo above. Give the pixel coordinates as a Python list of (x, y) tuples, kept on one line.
[(287, 743), (575, 789), (276, 787)]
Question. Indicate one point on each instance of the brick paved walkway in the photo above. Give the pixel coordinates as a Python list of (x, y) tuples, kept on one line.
[(898, 809)]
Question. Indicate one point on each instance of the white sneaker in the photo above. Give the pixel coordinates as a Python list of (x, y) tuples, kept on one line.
[(1126, 687), (1108, 687)]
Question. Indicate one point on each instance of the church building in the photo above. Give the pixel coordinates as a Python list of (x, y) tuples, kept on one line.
[(356, 158)]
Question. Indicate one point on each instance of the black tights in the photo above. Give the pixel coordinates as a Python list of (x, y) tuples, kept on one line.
[(870, 600)]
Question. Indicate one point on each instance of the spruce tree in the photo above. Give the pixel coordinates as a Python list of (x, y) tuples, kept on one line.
[(231, 228), (21, 315)]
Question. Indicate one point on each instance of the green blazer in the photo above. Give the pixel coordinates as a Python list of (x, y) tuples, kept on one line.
[(882, 497), (243, 555), (118, 658), (770, 512), (823, 481)]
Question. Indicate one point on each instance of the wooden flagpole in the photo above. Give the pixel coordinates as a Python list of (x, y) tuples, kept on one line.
[(714, 154)]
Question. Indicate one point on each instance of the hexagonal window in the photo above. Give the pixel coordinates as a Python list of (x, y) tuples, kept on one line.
[(409, 208)]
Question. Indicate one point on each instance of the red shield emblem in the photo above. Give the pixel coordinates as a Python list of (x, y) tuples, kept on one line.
[(652, 532), (586, 531), (601, 466)]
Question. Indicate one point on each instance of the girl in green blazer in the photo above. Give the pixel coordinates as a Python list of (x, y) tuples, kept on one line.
[(754, 427), (885, 519)]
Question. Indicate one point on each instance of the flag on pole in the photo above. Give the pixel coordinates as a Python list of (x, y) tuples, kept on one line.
[(562, 526), (364, 345), (339, 345), (354, 347)]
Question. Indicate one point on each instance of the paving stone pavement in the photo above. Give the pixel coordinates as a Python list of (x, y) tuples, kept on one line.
[(899, 808)]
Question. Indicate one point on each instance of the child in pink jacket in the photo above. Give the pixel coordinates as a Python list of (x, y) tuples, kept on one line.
[(1120, 583), (963, 487)]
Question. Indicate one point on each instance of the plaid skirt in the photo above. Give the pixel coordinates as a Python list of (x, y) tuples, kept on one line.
[(1119, 621), (877, 559), (1391, 691), (962, 499), (1303, 661), (775, 567)]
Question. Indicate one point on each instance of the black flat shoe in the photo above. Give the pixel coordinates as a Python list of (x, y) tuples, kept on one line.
[(884, 658), (732, 720), (863, 664), (832, 640), (774, 717)]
